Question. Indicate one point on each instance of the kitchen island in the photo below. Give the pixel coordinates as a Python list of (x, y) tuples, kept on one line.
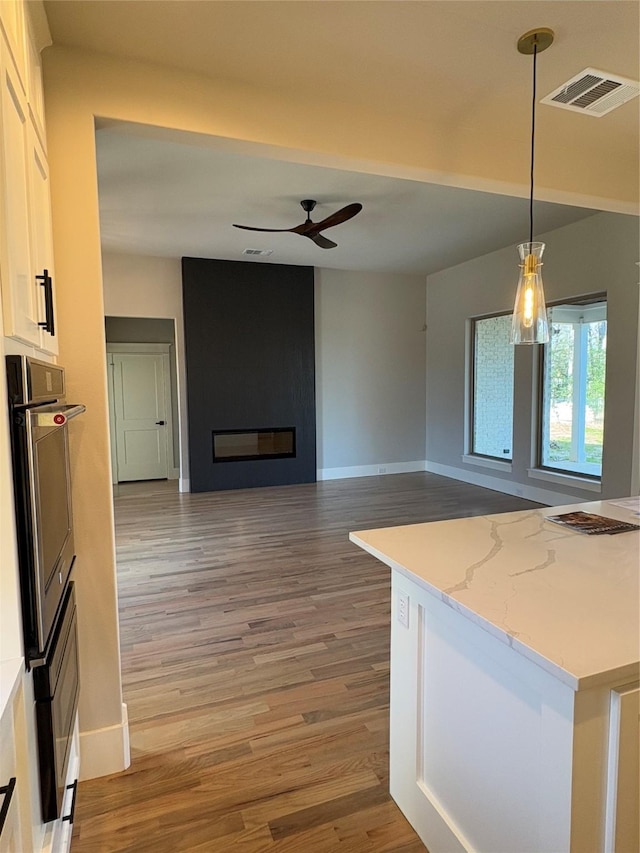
[(514, 681)]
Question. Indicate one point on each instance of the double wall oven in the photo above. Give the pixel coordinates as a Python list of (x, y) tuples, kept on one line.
[(39, 418)]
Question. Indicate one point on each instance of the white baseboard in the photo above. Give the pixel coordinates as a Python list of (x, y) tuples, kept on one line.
[(105, 751), (520, 490), (370, 470), (184, 485)]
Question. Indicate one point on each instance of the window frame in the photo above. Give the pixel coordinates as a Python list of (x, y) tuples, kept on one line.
[(578, 301)]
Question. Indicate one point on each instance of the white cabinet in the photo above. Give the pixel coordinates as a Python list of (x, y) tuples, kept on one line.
[(23, 830), (26, 247), (10, 841), (57, 836), (18, 294), (490, 753), (15, 836), (35, 88), (13, 25), (41, 240)]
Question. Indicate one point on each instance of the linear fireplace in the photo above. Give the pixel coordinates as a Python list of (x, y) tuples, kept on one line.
[(235, 445)]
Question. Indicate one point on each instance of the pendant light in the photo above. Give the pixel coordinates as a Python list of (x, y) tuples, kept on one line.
[(529, 324)]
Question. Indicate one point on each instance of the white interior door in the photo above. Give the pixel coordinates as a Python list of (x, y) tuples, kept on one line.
[(140, 408)]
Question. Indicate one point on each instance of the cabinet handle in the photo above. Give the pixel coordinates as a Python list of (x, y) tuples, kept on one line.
[(69, 816), (46, 282), (7, 792)]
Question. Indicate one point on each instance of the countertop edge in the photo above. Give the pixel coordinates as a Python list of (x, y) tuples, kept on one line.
[(617, 670), (568, 678)]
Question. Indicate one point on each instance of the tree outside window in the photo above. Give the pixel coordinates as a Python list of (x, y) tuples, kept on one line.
[(573, 395)]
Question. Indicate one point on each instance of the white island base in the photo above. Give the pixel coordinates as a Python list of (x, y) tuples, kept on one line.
[(514, 692)]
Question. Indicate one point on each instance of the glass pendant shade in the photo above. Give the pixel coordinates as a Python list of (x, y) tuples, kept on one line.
[(529, 324)]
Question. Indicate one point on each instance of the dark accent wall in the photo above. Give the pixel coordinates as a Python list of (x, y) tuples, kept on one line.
[(249, 338)]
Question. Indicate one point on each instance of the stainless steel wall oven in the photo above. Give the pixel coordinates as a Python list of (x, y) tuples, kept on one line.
[(39, 419)]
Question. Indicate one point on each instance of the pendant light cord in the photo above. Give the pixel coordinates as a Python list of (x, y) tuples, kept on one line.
[(533, 136)]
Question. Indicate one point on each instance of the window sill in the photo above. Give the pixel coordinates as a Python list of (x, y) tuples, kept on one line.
[(565, 479), (485, 462)]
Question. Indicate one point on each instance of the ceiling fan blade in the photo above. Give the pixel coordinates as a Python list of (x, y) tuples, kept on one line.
[(303, 228), (253, 228), (338, 217), (312, 229), (321, 241)]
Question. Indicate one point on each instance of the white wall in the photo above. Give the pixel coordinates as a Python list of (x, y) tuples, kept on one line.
[(144, 286), (370, 372), (594, 255)]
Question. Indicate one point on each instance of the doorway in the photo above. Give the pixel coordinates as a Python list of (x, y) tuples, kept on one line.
[(142, 401)]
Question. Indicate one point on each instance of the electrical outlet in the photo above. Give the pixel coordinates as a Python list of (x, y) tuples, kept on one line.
[(403, 608), (382, 469)]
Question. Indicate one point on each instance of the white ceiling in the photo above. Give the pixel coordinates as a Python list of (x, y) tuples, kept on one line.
[(159, 197), (436, 61)]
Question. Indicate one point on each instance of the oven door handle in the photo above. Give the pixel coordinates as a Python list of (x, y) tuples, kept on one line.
[(53, 416), (74, 411)]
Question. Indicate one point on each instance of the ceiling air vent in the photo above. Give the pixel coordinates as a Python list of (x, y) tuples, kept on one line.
[(258, 253), (593, 92)]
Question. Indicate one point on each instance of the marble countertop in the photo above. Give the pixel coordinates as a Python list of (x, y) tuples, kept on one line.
[(567, 601)]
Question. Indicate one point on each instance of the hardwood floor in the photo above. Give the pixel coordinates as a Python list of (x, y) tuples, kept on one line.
[(255, 659)]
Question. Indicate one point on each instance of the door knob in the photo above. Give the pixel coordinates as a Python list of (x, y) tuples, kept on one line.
[(159, 423)]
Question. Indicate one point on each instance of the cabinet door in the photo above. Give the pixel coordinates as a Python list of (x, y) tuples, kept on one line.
[(41, 237), (13, 26), (35, 93), (18, 288), (10, 837)]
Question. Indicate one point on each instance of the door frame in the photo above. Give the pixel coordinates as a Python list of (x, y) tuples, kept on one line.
[(173, 473)]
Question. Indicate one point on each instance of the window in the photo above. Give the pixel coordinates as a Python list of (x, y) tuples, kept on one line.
[(573, 388), (492, 409)]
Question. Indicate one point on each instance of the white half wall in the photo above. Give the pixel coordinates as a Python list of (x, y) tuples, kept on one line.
[(146, 286), (370, 370)]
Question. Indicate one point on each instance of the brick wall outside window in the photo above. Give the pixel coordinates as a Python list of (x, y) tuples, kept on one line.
[(493, 388)]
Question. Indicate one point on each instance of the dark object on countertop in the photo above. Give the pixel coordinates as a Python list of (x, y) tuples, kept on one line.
[(587, 522)]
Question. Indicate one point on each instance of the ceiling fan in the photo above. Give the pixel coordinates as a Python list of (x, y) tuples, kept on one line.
[(312, 229)]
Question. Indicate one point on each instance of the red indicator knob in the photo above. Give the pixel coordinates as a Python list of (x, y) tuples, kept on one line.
[(59, 419)]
